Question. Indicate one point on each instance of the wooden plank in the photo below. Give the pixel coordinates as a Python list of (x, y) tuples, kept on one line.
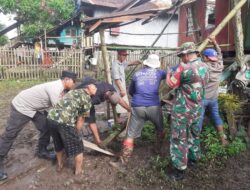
[(93, 27), (93, 146), (125, 18)]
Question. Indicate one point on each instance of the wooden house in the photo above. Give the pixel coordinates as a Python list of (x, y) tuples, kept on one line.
[(209, 13), (133, 34)]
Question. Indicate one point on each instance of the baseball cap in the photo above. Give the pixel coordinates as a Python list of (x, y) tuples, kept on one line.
[(211, 54), (122, 52), (69, 74), (86, 81)]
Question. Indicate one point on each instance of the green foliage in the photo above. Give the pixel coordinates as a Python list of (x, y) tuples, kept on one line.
[(236, 147), (228, 103), (148, 132), (3, 39), (38, 16), (115, 127), (159, 164), (213, 150)]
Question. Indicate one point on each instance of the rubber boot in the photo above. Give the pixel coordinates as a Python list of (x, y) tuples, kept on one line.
[(43, 153), (3, 175), (126, 154), (192, 164), (176, 175)]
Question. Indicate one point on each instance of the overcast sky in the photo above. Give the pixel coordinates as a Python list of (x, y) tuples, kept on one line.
[(7, 20)]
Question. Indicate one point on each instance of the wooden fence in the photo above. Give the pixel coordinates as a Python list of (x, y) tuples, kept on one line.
[(21, 63)]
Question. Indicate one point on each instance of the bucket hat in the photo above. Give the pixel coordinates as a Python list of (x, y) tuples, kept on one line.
[(186, 48), (152, 61)]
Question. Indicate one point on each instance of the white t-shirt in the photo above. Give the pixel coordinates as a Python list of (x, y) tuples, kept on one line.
[(38, 98)]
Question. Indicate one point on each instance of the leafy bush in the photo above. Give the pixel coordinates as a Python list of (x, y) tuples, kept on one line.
[(228, 103), (236, 147), (213, 148), (148, 132)]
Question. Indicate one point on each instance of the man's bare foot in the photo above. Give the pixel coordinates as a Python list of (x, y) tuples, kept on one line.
[(78, 171), (59, 168)]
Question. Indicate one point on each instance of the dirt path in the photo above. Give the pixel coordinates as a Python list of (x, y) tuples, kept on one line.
[(28, 172)]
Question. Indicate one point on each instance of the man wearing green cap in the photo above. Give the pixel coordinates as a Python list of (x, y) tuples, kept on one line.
[(189, 80)]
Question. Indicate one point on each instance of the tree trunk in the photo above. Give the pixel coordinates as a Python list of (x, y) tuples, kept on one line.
[(238, 36)]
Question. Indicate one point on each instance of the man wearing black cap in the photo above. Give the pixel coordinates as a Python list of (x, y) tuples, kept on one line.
[(29, 105), (104, 92)]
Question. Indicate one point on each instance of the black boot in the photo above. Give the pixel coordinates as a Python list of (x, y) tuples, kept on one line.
[(176, 175), (192, 164), (42, 152), (3, 175)]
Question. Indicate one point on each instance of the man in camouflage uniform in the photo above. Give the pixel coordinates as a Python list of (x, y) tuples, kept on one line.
[(189, 80), (66, 120)]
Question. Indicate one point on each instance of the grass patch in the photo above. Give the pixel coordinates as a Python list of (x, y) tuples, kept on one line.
[(17, 85)]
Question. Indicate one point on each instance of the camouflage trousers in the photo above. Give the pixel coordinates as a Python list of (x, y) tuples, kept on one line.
[(184, 141)]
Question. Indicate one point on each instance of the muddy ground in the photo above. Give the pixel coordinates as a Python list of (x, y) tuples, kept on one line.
[(28, 172)]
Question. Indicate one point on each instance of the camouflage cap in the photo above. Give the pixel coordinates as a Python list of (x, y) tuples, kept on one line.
[(187, 47)]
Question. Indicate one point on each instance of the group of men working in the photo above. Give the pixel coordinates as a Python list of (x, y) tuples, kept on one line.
[(69, 107)]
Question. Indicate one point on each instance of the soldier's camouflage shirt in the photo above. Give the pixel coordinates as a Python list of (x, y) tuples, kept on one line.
[(74, 104), (189, 80)]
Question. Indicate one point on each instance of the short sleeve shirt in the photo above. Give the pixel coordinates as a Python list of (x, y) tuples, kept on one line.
[(102, 88), (118, 70), (144, 87), (38, 98), (74, 104)]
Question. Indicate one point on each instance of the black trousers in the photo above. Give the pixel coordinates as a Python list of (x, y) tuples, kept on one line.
[(16, 123)]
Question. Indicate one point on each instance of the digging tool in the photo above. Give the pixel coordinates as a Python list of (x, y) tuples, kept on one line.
[(93, 146), (113, 135)]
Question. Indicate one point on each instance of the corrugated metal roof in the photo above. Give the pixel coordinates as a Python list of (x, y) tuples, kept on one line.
[(107, 3), (131, 11), (184, 2)]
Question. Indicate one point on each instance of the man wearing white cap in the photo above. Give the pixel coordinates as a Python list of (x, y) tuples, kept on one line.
[(145, 103)]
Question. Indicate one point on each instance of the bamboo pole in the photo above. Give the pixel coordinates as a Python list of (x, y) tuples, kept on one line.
[(105, 57), (223, 23), (107, 68)]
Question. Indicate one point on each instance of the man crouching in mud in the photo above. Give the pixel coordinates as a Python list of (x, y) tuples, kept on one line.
[(66, 120)]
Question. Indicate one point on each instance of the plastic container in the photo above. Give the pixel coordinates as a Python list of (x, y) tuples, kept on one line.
[(111, 123)]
